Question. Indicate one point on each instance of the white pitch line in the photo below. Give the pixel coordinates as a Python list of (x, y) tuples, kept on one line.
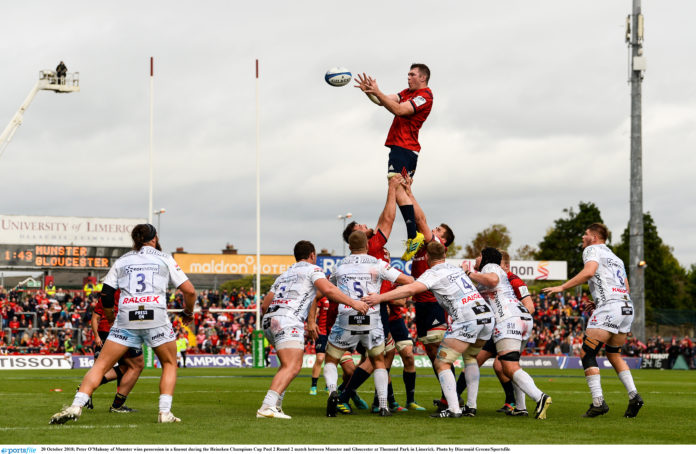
[(73, 426)]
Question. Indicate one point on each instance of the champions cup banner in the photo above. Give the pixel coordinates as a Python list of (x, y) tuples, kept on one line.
[(542, 270), (64, 230)]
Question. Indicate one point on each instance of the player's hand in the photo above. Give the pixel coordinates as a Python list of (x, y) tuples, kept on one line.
[(109, 314), (556, 289), (589, 307), (98, 342), (312, 331), (371, 299), (465, 266), (362, 81), (396, 180), (361, 307)]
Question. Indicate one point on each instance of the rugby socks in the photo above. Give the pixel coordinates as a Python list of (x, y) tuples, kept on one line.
[(509, 389), (410, 385), (80, 400), (119, 400), (461, 383), (330, 376), (165, 403), (381, 384), (409, 215), (315, 380), (119, 375), (356, 380), (520, 402), (526, 383), (595, 384), (449, 389), (280, 401), (627, 380), (390, 389), (472, 375)]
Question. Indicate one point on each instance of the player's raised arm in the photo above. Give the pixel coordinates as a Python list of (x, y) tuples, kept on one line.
[(334, 294), (421, 221), (390, 102), (386, 219), (362, 81), (583, 276)]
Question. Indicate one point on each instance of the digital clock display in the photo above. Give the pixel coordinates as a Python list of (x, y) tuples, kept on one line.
[(49, 256)]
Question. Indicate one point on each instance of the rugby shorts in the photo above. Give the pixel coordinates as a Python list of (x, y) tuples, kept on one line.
[(130, 353), (429, 316), (135, 338), (518, 328), (614, 317), (401, 158), (320, 343), (280, 329)]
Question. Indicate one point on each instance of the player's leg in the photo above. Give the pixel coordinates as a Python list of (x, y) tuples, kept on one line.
[(613, 350), (403, 162), (487, 351), (509, 357), (134, 364), (381, 378), (404, 346), (331, 359), (166, 354), (448, 352), (472, 375), (316, 371), (591, 345)]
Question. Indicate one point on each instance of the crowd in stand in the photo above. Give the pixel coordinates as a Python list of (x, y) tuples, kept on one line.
[(34, 323)]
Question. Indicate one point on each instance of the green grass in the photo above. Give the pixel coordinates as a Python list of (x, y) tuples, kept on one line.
[(218, 406)]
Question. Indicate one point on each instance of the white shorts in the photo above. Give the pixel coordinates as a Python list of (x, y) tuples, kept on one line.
[(281, 329), (474, 325), (518, 328), (614, 317), (347, 339), (135, 338)]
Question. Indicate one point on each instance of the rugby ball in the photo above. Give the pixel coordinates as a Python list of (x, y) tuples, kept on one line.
[(338, 76)]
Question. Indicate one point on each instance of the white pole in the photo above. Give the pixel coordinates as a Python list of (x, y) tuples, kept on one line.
[(152, 84), (258, 207)]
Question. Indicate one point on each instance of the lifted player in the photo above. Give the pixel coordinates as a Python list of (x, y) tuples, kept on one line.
[(472, 321), (610, 321), (285, 309), (513, 325)]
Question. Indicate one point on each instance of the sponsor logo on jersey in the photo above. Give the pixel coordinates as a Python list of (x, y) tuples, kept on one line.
[(141, 299), (619, 290), (157, 336), (472, 297), (419, 101), (610, 325)]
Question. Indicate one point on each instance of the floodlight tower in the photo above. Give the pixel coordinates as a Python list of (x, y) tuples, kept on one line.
[(48, 80), (636, 248)]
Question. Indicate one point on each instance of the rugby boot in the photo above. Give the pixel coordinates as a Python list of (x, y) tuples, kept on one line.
[(440, 404), (72, 413), (394, 407), (412, 246), (593, 411), (384, 412), (313, 391), (168, 416), (507, 409), (542, 406), (468, 411), (447, 413), (633, 406), (331, 404), (269, 412), (414, 406), (344, 408), (360, 404), (122, 409), (516, 412)]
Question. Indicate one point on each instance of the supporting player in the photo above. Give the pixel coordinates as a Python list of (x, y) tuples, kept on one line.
[(285, 309), (143, 276), (610, 321), (129, 367), (410, 108), (431, 319), (356, 276), (472, 322), (488, 350), (513, 325)]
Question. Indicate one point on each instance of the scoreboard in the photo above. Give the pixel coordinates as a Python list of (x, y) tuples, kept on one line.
[(59, 256)]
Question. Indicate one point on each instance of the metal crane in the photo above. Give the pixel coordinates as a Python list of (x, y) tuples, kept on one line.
[(48, 80)]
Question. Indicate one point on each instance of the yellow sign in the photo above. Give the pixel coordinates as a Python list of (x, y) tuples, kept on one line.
[(232, 263)]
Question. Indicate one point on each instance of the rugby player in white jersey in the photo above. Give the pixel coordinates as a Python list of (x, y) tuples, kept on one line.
[(142, 275), (513, 325), (285, 309), (471, 326), (356, 276), (610, 321)]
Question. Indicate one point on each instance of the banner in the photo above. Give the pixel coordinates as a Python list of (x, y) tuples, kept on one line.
[(74, 231), (232, 263), (36, 362)]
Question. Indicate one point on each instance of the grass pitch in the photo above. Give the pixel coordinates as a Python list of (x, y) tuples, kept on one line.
[(218, 406)]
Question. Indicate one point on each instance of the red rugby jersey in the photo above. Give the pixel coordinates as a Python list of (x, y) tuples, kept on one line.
[(404, 129), (104, 325), (323, 316)]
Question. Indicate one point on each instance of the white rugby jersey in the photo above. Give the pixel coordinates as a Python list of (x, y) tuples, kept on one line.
[(294, 290), (609, 281), (452, 288), (502, 297), (143, 277), (360, 274)]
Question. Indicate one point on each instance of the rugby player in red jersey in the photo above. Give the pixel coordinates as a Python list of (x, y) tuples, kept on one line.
[(317, 321), (129, 367), (410, 108), (488, 350)]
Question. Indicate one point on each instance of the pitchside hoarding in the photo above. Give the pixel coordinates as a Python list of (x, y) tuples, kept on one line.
[(277, 264)]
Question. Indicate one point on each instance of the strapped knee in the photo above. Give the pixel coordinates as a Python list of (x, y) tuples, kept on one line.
[(591, 347), (510, 356), (611, 349), (470, 355)]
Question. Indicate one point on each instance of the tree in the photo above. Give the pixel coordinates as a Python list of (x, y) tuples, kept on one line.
[(563, 241), (454, 250), (525, 252), (497, 236), (665, 279)]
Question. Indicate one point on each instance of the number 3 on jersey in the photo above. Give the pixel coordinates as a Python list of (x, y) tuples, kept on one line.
[(141, 281)]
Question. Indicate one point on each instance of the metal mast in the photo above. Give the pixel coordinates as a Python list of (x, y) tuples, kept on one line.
[(636, 266)]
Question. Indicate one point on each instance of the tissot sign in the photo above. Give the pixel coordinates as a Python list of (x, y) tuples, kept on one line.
[(65, 230)]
